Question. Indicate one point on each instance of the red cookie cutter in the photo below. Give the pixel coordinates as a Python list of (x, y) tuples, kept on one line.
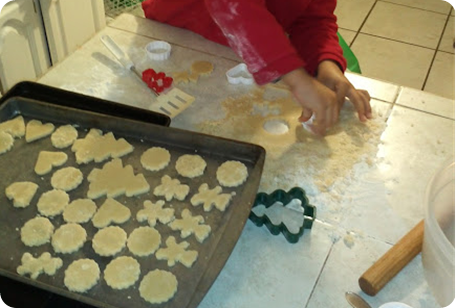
[(156, 81)]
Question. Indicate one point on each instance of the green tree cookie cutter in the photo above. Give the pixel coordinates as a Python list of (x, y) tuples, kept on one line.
[(285, 198)]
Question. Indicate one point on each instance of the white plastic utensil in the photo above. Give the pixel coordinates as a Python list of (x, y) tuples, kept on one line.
[(122, 57), (172, 103)]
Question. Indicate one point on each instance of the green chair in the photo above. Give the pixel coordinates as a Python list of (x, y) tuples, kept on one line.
[(352, 61)]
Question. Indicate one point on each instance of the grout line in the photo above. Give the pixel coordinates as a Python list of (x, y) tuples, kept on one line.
[(362, 24), (436, 51), (398, 41), (319, 275), (414, 7)]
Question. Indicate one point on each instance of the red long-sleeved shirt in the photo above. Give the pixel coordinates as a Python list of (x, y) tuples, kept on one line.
[(273, 37)]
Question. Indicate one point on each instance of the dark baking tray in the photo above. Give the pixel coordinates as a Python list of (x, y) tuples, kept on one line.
[(17, 165), (41, 92)]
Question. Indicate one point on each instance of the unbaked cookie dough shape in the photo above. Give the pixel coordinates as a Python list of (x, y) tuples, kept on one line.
[(144, 241), (98, 147), (111, 211), (69, 238), (154, 212), (64, 136), (202, 68), (14, 127), (232, 173), (190, 166), (158, 286), (47, 160), (79, 211), (191, 225), (36, 130), (67, 179), (122, 272), (155, 159), (114, 180), (6, 142), (21, 193), (171, 188), (109, 241), (211, 197), (81, 275), (52, 203), (36, 266), (37, 231), (177, 252)]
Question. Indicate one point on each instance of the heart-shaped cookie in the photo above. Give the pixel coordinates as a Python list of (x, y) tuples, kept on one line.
[(21, 193), (6, 142), (36, 130), (47, 160), (111, 211), (14, 127)]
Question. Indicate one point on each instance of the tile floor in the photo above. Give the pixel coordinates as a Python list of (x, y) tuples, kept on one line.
[(406, 42)]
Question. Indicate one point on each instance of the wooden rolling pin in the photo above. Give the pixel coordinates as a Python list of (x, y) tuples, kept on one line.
[(394, 260)]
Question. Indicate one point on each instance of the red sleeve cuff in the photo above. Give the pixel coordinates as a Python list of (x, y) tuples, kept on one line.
[(277, 69)]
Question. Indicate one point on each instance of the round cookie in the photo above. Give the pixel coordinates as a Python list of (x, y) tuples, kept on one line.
[(190, 166), (53, 202), (69, 238), (109, 241), (81, 275), (67, 179), (64, 136), (232, 173), (37, 231), (79, 211), (122, 272), (144, 241), (158, 286), (155, 159)]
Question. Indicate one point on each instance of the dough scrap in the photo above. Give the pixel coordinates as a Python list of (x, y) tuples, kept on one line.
[(109, 241), (177, 252), (46, 160), (15, 127), (111, 211), (67, 179), (6, 142), (154, 212), (171, 188), (179, 77), (191, 225), (190, 166), (232, 173), (202, 67), (158, 286), (155, 159), (37, 231), (98, 147), (79, 211), (82, 275), (53, 202), (36, 130), (211, 197), (69, 238), (122, 272), (144, 241), (64, 136), (21, 193), (35, 266), (114, 180)]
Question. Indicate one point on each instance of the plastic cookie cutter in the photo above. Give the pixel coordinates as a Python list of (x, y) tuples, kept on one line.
[(239, 74), (158, 50), (283, 212), (156, 81)]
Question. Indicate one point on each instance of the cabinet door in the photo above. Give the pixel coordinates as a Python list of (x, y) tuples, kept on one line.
[(70, 23), (23, 49)]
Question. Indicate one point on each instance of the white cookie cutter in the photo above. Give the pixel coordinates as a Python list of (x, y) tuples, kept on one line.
[(239, 74), (158, 50)]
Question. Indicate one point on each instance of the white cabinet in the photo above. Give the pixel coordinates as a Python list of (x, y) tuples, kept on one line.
[(35, 34), (70, 23), (23, 49)]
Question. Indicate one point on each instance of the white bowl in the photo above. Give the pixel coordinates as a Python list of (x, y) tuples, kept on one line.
[(395, 305)]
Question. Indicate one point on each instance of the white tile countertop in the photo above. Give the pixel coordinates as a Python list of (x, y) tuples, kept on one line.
[(366, 181)]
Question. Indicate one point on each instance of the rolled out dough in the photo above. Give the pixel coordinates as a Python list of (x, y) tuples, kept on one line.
[(53, 202), (144, 241), (232, 173), (35, 266), (122, 272), (155, 159), (36, 130), (158, 286), (64, 136), (21, 192), (109, 241), (111, 211), (69, 238), (46, 160), (82, 275), (6, 142), (79, 211), (171, 188), (190, 166), (67, 179), (37, 231)]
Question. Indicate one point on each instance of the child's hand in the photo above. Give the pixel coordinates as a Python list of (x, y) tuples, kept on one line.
[(315, 98), (330, 75)]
